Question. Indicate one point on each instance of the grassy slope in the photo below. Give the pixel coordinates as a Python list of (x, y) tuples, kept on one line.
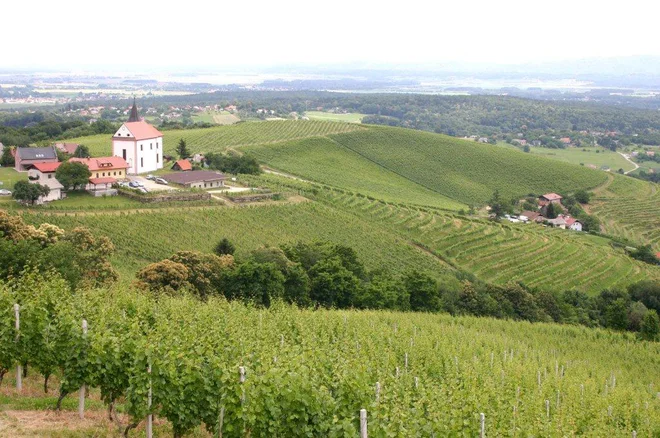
[(219, 138), (465, 171), (578, 156), (322, 115), (630, 208), (323, 160), (148, 237)]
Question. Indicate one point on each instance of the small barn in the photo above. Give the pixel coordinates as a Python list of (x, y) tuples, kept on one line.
[(200, 179), (182, 165)]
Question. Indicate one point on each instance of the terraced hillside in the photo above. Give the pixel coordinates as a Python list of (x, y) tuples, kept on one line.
[(325, 161), (465, 171), (541, 257), (629, 208), (217, 139), (143, 238)]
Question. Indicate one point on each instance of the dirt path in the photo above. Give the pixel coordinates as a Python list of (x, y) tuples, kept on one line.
[(630, 161), (285, 175)]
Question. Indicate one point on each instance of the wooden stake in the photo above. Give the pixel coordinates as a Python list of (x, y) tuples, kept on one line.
[(363, 423), (81, 394), (241, 371), (221, 420), (377, 392), (416, 382), (406, 361), (482, 428), (19, 369), (150, 417), (547, 408)]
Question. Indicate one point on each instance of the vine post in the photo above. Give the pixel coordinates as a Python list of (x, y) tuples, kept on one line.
[(81, 394), (363, 423), (19, 371), (150, 417), (482, 425)]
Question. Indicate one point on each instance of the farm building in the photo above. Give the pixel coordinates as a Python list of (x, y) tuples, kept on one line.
[(182, 165), (27, 156), (549, 198), (44, 174), (566, 222), (201, 179), (139, 144), (532, 216)]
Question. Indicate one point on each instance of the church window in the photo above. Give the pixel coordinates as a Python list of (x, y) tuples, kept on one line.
[(141, 162), (103, 173), (157, 160), (141, 146), (151, 146)]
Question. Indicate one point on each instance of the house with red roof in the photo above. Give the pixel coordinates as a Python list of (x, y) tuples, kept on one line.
[(139, 144), (182, 165), (105, 172), (67, 148), (549, 198), (44, 174)]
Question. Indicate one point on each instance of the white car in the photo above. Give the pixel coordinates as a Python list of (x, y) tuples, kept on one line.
[(5, 192), (150, 177), (160, 181)]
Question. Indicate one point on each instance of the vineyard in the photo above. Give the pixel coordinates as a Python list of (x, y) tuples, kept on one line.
[(325, 161), (630, 208), (541, 257), (238, 371), (145, 237), (466, 171), (217, 139)]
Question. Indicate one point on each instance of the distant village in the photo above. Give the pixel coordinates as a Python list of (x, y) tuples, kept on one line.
[(550, 202)]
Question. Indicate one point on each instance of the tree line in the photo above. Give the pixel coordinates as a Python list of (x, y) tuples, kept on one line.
[(323, 274)]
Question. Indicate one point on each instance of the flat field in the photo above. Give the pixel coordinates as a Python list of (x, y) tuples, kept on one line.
[(348, 117)]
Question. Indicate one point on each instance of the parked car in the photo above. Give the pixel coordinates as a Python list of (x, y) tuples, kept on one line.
[(160, 181), (133, 184), (124, 184), (5, 192), (151, 177), (139, 183)]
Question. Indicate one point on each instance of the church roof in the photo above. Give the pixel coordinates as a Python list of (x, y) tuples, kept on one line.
[(142, 130), (134, 117)]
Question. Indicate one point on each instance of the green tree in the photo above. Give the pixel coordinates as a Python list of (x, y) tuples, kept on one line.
[(182, 149), (72, 175), (650, 329), (332, 284), (7, 159), (30, 193), (165, 275), (423, 291), (582, 196), (498, 207), (205, 271), (224, 247), (552, 211), (526, 148), (81, 151)]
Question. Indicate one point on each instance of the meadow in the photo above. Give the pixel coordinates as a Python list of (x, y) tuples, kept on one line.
[(216, 117), (594, 156), (242, 371)]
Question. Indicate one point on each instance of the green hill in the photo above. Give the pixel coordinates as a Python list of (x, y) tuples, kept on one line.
[(461, 170)]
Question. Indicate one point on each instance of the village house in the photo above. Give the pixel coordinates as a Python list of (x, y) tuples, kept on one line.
[(565, 222), (25, 157), (521, 142), (44, 174), (549, 198), (200, 179), (182, 165), (565, 140), (531, 216), (67, 148), (105, 172), (139, 144)]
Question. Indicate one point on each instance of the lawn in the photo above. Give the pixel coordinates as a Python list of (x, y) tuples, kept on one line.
[(9, 177), (332, 117)]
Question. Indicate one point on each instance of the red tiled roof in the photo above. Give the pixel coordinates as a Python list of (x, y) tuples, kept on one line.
[(142, 130), (102, 163), (106, 180), (531, 215), (183, 165), (46, 167), (565, 140), (551, 196)]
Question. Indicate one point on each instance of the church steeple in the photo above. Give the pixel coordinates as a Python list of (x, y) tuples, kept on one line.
[(134, 117)]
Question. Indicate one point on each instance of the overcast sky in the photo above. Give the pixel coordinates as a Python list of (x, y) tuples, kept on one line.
[(137, 33)]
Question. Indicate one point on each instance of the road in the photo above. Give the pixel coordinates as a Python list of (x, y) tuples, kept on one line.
[(627, 157)]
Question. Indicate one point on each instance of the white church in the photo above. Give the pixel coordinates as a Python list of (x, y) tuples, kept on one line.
[(139, 143)]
